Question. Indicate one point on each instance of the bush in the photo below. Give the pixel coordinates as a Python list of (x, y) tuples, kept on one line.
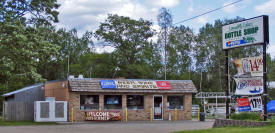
[(247, 116)]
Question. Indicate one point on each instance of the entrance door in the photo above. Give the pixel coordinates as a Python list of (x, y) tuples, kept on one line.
[(158, 107)]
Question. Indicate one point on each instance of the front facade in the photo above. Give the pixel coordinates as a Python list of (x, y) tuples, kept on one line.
[(131, 99)]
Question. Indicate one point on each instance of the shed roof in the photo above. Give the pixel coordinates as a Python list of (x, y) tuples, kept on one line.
[(23, 89), (93, 85)]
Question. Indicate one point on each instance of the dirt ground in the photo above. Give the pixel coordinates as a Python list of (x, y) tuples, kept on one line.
[(111, 127)]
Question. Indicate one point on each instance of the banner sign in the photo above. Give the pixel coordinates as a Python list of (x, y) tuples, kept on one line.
[(243, 104), (243, 33), (134, 84), (250, 104), (103, 116), (256, 103), (249, 86), (250, 65)]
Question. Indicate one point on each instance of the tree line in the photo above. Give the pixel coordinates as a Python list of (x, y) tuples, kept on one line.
[(33, 50)]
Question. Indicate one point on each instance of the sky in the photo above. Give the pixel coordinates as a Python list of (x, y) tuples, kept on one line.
[(86, 15)]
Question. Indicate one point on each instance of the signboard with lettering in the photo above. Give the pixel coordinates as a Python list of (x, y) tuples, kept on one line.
[(243, 104), (253, 66), (256, 103), (134, 84), (107, 84), (243, 33), (250, 104), (249, 86), (103, 116)]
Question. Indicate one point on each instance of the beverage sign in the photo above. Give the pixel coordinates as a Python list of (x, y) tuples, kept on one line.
[(251, 65), (249, 86), (250, 104), (243, 33), (135, 84), (107, 84), (103, 116), (243, 104)]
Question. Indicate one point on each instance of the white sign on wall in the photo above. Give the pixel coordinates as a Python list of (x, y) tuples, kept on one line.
[(243, 33)]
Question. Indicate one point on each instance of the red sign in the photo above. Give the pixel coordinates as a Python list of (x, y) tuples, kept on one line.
[(163, 85), (243, 102), (103, 116)]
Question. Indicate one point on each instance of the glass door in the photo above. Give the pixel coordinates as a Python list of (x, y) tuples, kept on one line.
[(158, 107)]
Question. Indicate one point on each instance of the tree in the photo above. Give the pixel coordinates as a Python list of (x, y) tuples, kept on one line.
[(129, 37), (165, 22)]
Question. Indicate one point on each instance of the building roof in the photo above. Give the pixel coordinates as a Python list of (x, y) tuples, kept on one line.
[(93, 85), (23, 89)]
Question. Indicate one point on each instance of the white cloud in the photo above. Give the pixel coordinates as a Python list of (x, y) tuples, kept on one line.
[(87, 14), (267, 8), (203, 19), (229, 9), (271, 50), (163, 3)]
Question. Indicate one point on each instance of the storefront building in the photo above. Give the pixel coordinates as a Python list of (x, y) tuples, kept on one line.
[(129, 99)]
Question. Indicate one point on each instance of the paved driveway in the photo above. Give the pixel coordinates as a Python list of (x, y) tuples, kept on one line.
[(112, 127)]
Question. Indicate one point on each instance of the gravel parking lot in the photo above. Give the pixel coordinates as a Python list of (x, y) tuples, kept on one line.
[(112, 127)]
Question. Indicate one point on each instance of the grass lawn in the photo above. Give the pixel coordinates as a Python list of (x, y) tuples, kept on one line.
[(266, 129), (24, 123)]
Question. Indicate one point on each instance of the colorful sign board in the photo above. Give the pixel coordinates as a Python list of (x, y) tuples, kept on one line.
[(256, 103), (243, 104), (243, 33), (249, 86), (250, 104), (103, 116), (253, 66), (135, 84), (108, 84)]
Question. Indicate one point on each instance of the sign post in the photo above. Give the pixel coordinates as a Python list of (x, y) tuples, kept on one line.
[(244, 33)]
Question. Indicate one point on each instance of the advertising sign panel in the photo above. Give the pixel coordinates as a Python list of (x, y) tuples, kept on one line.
[(103, 116), (243, 33), (243, 104), (135, 84), (249, 86), (253, 66), (250, 104), (255, 103), (107, 84)]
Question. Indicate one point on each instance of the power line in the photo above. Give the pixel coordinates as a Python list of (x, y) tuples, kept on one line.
[(208, 12)]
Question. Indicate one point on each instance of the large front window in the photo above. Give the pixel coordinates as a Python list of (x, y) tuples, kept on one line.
[(135, 102), (89, 102), (112, 102), (175, 102)]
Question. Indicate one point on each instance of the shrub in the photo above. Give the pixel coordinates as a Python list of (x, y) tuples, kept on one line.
[(247, 116)]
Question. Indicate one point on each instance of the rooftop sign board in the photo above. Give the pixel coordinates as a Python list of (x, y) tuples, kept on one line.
[(243, 33), (135, 84)]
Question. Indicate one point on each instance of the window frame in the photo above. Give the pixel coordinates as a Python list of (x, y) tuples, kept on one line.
[(84, 107), (121, 99), (135, 95), (183, 96)]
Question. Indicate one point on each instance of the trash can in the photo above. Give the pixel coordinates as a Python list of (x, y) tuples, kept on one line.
[(202, 116)]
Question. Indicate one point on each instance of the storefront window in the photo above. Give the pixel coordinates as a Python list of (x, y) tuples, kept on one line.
[(112, 102), (89, 102), (135, 102), (175, 102)]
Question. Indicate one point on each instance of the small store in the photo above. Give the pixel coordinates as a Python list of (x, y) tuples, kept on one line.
[(129, 99)]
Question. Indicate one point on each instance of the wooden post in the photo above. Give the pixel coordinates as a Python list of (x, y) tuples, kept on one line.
[(176, 113), (126, 119), (151, 114)]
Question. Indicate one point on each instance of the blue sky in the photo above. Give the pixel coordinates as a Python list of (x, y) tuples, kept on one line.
[(87, 14)]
